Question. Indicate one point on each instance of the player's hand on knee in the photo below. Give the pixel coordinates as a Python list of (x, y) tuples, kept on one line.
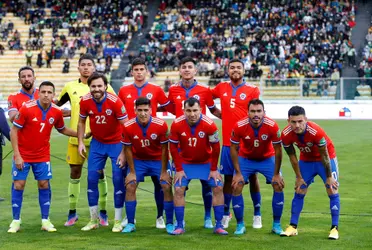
[(82, 150), (278, 180), (300, 184), (19, 162), (237, 180), (121, 160), (131, 178), (331, 183), (178, 177), (216, 176), (166, 177)]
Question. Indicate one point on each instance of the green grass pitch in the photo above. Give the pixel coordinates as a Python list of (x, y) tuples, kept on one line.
[(352, 140)]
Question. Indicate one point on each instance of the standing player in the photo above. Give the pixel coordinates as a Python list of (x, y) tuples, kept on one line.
[(146, 151), (317, 157), (196, 136), (72, 92), (257, 139), (235, 96), (178, 94), (106, 115), (26, 77), (30, 138), (128, 95)]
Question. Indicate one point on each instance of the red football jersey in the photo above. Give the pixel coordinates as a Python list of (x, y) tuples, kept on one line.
[(234, 104), (178, 95), (194, 142), (308, 143), (15, 101), (103, 117), (36, 125), (146, 141), (256, 143), (128, 94)]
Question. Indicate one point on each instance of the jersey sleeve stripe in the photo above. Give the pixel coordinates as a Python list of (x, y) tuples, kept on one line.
[(17, 125), (235, 142), (323, 144), (276, 142), (60, 128), (163, 142), (211, 107), (286, 146), (82, 116), (165, 104), (122, 117), (126, 143), (173, 141), (12, 109)]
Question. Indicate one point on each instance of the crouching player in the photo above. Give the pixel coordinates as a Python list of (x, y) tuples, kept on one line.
[(145, 140), (30, 138), (197, 138), (317, 157), (260, 152)]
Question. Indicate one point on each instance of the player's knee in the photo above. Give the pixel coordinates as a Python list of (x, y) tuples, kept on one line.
[(75, 171), (19, 185), (277, 188), (301, 191), (44, 184), (166, 188), (237, 190), (331, 190), (218, 190), (131, 188), (179, 192)]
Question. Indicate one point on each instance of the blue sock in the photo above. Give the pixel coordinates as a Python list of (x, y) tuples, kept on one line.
[(119, 189), (277, 204), (130, 208), (44, 202), (207, 198), (93, 177), (159, 197), (334, 205), (256, 199), (297, 205), (180, 215), (17, 198), (238, 207), (227, 198), (218, 214), (169, 208)]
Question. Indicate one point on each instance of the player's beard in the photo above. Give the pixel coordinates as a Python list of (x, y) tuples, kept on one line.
[(97, 95), (256, 120), (235, 77), (27, 85)]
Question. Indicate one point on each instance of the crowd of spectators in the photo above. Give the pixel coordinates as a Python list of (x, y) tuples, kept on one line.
[(105, 36), (294, 38)]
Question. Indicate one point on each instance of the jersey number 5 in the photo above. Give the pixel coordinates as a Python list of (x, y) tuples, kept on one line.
[(232, 103), (100, 119)]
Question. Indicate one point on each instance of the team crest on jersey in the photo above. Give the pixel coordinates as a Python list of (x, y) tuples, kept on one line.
[(309, 144), (15, 173), (196, 97), (201, 134), (149, 96), (264, 137), (51, 120), (154, 136), (243, 96), (108, 111)]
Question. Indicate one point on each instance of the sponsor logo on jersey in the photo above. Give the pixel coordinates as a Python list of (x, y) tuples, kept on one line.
[(129, 96), (154, 136), (178, 97), (108, 111), (91, 112), (247, 137), (183, 134), (201, 134), (35, 119), (135, 137), (225, 94)]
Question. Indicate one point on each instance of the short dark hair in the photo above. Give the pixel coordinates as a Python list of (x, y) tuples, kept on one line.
[(186, 60), (47, 83), (235, 60), (139, 61), (296, 110), (256, 102), (25, 68), (191, 102), (87, 56), (96, 76), (142, 101)]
